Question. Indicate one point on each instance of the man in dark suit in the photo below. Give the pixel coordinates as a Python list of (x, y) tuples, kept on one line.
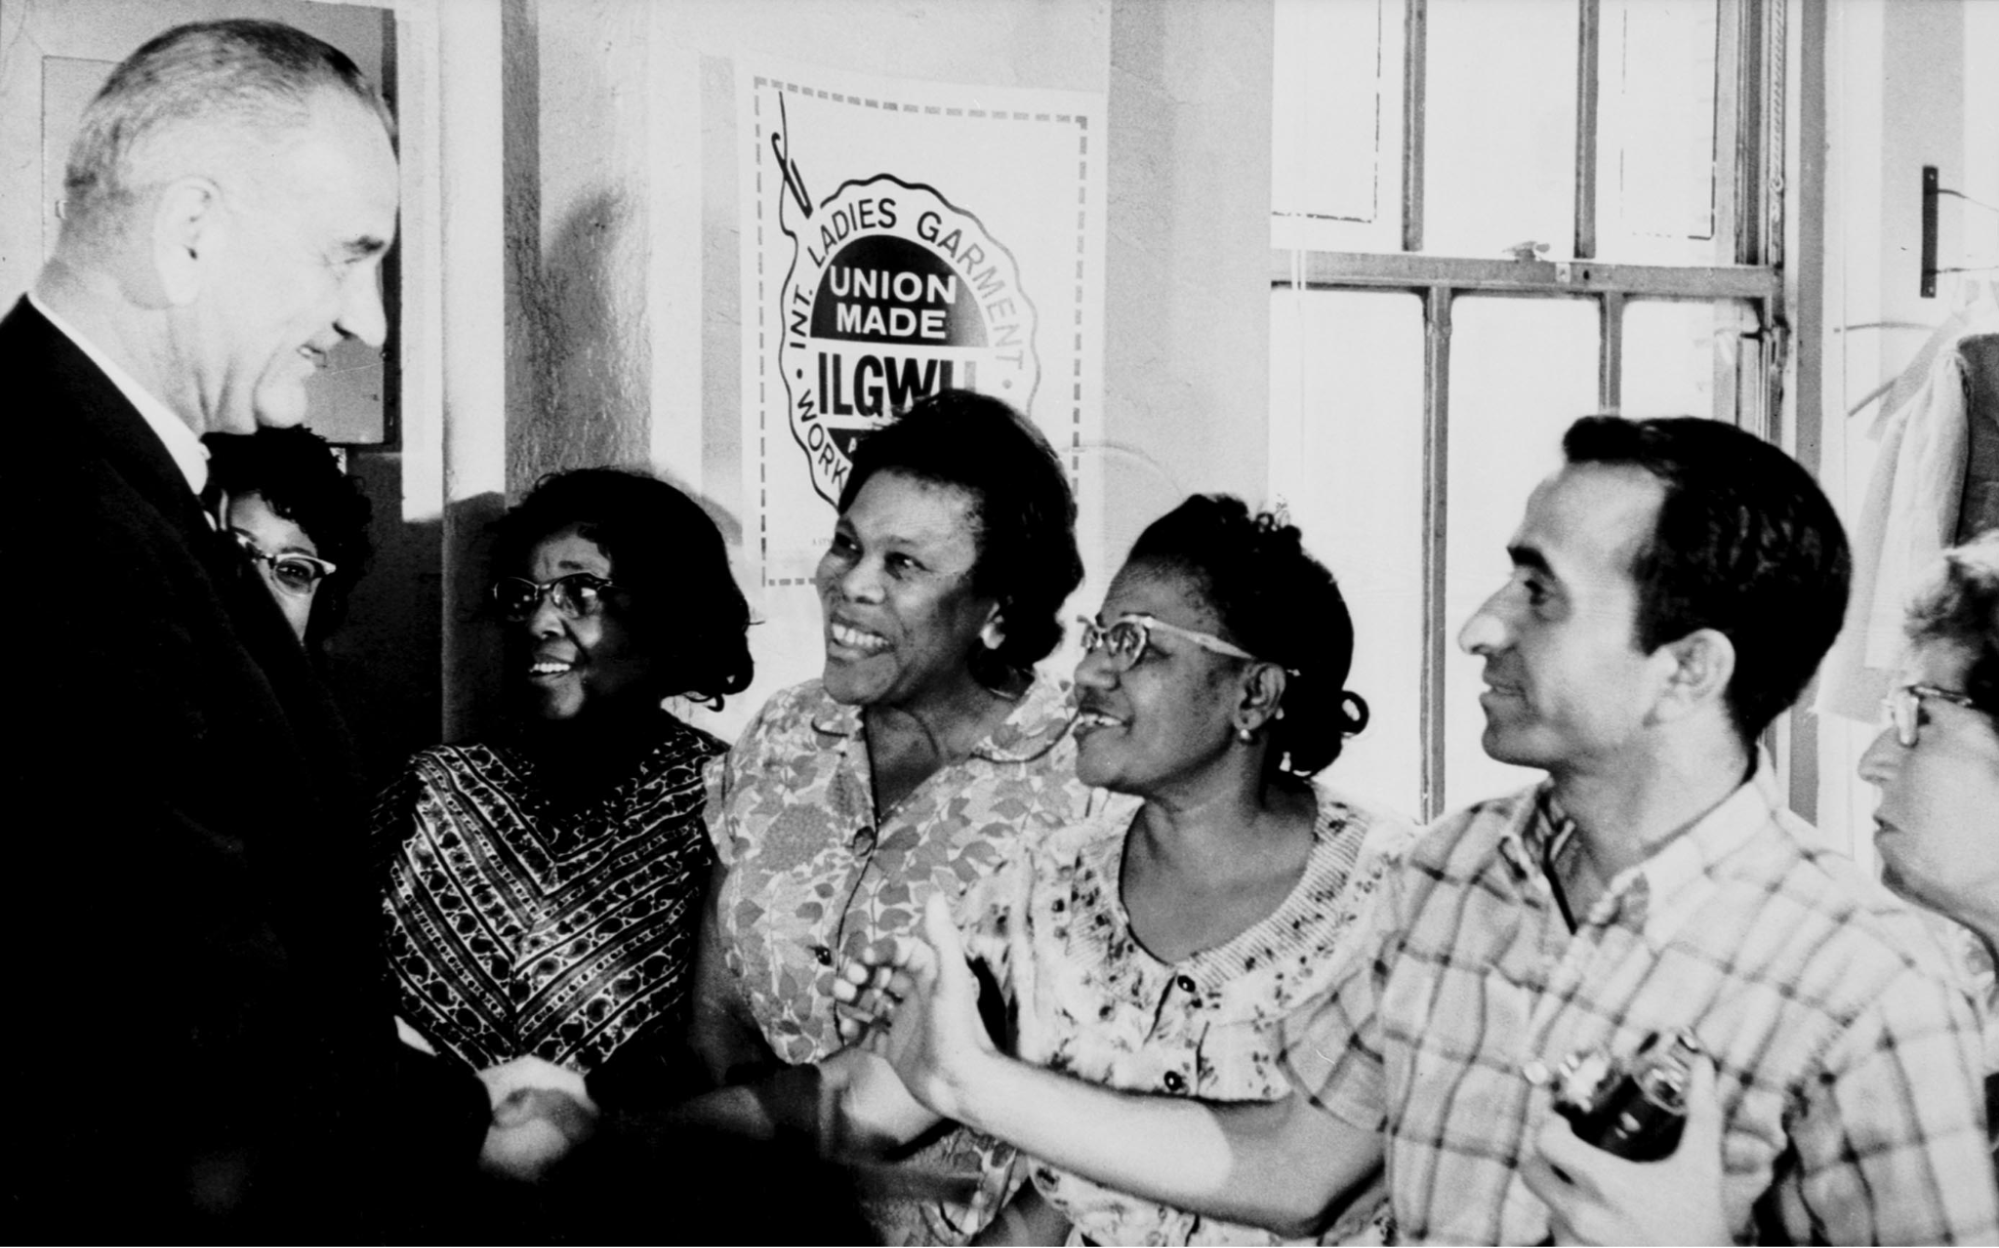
[(198, 1042)]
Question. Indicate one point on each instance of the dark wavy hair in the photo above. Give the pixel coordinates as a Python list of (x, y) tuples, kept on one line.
[(1962, 609), (1277, 602), (664, 550), (297, 475), (1746, 544), (1022, 506)]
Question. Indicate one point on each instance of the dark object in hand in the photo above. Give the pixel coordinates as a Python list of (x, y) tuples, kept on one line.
[(1633, 1109)]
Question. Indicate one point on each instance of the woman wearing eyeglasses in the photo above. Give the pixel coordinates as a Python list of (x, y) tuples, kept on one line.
[(1937, 763), (544, 888), (1159, 951), (927, 752), (300, 520)]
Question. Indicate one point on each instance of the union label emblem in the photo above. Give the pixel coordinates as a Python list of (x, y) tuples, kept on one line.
[(893, 293)]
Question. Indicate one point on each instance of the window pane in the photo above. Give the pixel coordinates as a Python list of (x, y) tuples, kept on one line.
[(1656, 132), (1521, 372), (1336, 167), (1500, 143), (1681, 359), (1347, 456)]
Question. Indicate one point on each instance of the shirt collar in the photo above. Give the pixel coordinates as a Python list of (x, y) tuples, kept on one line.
[(1662, 889), (1037, 723), (189, 455)]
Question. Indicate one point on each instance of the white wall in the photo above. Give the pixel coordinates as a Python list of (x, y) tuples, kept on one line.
[(1909, 83), (623, 301)]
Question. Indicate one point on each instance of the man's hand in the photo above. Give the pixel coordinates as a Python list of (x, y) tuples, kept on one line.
[(1595, 1197), (916, 1003), (540, 1112), (504, 1080)]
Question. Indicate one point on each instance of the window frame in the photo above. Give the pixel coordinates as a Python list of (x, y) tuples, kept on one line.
[(1750, 211)]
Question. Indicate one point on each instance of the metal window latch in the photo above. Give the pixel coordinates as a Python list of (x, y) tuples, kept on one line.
[(1528, 250)]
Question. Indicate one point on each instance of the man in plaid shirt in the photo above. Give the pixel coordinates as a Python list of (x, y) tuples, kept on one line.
[(1674, 587)]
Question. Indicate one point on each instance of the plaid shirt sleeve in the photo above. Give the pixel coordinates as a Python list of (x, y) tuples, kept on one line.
[(1332, 1047), (1891, 1136)]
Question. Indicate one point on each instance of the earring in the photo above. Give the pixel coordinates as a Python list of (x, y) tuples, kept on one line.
[(1244, 735), (992, 636)]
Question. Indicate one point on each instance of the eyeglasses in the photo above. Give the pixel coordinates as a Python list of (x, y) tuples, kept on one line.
[(578, 595), (1903, 703), (1124, 640), (291, 572)]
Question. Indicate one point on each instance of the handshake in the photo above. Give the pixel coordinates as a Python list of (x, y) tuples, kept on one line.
[(541, 1112)]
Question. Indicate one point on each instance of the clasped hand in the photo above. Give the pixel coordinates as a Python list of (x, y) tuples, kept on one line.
[(1595, 1197), (540, 1112), (915, 1004)]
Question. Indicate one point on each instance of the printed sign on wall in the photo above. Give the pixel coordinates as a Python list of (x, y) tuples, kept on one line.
[(901, 237)]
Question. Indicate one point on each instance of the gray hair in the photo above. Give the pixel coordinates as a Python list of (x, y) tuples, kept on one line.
[(252, 76)]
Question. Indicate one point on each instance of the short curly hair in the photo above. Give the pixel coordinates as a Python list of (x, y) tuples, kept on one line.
[(1962, 609), (1023, 510), (1277, 602), (664, 549), (298, 476)]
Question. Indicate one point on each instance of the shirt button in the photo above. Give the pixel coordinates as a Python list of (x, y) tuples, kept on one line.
[(1185, 983), (822, 955), (1176, 1083)]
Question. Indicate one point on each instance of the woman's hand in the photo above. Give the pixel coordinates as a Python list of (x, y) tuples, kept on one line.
[(915, 1003), (865, 1111), (1595, 1197), (541, 1111)]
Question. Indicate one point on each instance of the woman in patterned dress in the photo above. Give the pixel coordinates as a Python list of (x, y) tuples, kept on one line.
[(927, 753), (544, 888), (1160, 951)]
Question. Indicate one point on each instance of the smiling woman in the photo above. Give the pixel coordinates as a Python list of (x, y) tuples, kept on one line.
[(1160, 950), (543, 891), (927, 753)]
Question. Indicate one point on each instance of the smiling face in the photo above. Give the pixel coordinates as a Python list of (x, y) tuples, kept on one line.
[(895, 587), (594, 665), (1567, 686), (294, 269), (1168, 719), (251, 516), (1935, 827)]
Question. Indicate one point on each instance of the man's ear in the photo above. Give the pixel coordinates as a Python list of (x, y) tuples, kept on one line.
[(1698, 668), (189, 226)]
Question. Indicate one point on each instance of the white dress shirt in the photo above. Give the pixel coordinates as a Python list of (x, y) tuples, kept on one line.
[(181, 441)]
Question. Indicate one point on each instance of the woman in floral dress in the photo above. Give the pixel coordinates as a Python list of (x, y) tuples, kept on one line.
[(1160, 951), (927, 753)]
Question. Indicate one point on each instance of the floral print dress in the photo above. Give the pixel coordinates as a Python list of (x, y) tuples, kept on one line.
[(1092, 1002), (815, 874)]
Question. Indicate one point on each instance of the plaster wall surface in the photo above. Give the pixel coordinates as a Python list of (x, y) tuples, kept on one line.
[(1909, 83), (624, 300)]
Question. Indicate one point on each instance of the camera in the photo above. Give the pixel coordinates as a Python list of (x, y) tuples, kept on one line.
[(1633, 1109)]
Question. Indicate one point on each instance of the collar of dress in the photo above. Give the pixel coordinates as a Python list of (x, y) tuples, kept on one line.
[(1037, 724)]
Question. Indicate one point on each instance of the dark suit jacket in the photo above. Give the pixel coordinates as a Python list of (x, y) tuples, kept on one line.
[(199, 1043)]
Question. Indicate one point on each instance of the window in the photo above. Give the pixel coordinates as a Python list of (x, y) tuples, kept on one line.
[(1490, 217)]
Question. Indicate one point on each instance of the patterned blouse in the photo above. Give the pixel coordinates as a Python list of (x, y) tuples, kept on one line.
[(514, 931), (1092, 1002), (814, 872)]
